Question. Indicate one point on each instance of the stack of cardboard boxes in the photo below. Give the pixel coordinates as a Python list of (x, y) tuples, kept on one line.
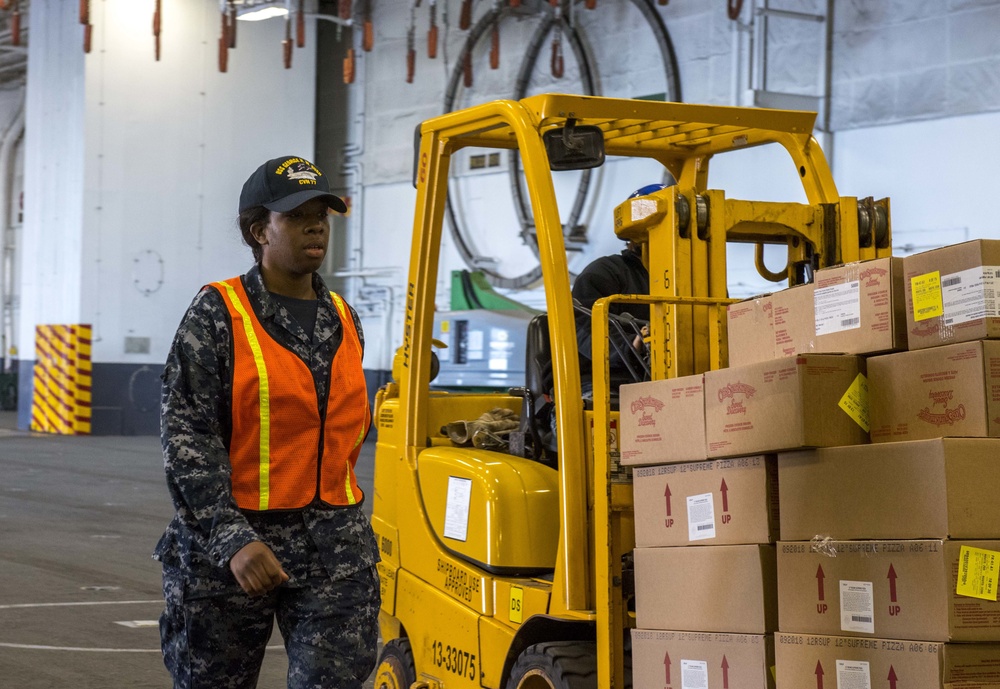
[(874, 565)]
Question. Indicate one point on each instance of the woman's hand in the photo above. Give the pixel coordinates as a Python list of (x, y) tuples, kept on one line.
[(257, 570)]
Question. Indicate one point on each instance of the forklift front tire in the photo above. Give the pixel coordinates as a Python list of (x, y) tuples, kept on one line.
[(395, 667), (555, 665)]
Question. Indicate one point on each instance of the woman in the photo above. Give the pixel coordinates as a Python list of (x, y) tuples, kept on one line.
[(264, 410)]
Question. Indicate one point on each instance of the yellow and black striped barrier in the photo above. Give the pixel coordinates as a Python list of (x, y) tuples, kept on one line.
[(61, 399)]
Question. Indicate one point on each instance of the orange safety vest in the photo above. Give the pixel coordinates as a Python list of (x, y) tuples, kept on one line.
[(283, 456)]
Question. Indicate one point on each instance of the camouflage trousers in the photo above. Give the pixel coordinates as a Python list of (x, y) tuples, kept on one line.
[(214, 636)]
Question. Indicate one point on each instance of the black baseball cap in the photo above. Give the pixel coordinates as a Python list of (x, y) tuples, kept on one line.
[(285, 183)]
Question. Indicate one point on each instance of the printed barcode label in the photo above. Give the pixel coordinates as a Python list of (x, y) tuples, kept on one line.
[(701, 517), (860, 618), (949, 321), (948, 282), (837, 308)]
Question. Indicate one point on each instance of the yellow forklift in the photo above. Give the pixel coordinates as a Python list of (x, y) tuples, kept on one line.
[(504, 568)]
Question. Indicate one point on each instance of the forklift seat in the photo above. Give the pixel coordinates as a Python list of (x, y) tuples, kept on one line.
[(535, 437)]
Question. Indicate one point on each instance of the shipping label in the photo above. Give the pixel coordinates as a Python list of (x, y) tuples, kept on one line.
[(970, 295), (853, 674), (701, 517), (857, 606), (925, 291), (694, 674), (855, 402), (977, 573), (838, 308)]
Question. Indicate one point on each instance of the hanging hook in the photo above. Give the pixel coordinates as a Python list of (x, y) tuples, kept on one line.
[(232, 23), (465, 16), (495, 37), (557, 62), (287, 43), (300, 25), (225, 38), (467, 69), (349, 66), (411, 44), (368, 29), (157, 18), (432, 32), (84, 19)]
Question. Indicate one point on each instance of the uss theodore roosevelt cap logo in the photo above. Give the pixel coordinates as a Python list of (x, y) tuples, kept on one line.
[(285, 183)]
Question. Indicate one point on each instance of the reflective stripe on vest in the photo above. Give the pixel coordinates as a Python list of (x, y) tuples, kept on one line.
[(276, 439)]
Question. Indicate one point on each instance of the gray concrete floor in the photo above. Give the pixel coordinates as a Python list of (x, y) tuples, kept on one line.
[(79, 592)]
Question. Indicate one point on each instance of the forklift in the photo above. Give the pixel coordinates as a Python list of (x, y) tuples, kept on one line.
[(511, 567)]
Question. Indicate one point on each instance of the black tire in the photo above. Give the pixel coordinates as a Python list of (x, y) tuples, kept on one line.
[(555, 665), (395, 666)]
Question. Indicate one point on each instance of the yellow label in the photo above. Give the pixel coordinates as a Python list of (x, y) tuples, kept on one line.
[(516, 604), (445, 326), (926, 292), (977, 573), (855, 402)]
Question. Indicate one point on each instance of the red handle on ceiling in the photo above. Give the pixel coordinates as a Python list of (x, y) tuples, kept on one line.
[(368, 36), (495, 47), (432, 41), (467, 70), (300, 27), (465, 16), (223, 53), (349, 67)]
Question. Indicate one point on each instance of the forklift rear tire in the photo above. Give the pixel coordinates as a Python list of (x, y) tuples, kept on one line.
[(555, 665), (395, 667)]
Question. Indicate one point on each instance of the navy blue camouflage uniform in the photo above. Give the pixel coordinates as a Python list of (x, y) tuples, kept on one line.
[(213, 634)]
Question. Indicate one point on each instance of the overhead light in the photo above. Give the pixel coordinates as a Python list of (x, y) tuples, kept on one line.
[(260, 12)]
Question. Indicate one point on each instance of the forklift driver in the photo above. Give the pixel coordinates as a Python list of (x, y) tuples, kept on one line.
[(622, 273)]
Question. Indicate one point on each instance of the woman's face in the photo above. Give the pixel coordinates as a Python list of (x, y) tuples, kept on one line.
[(295, 242)]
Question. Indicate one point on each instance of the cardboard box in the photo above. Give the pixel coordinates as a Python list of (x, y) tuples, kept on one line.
[(859, 307), (750, 325), (723, 588), (804, 661), (702, 659), (794, 321), (952, 390), (663, 421), (894, 589), (950, 294), (720, 502), (811, 400), (942, 488)]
